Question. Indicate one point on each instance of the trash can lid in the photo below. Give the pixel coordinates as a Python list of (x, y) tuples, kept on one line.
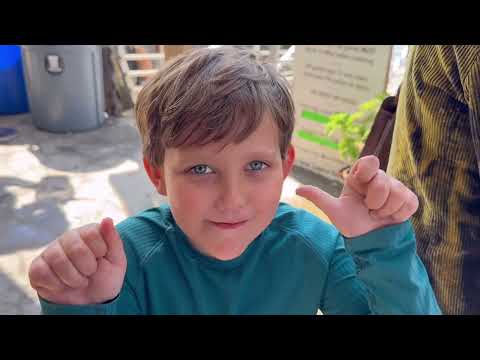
[(58, 48)]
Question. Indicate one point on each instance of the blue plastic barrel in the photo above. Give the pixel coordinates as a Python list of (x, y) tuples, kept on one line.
[(13, 95)]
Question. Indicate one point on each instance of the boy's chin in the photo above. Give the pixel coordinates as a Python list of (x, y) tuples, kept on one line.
[(230, 246)]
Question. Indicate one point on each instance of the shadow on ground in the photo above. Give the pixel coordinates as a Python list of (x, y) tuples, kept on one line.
[(136, 191), (106, 147), (14, 300), (41, 220)]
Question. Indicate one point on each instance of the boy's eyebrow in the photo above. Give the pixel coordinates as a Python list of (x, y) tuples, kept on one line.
[(254, 154)]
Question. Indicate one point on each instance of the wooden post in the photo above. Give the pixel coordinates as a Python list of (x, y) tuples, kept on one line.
[(117, 93), (174, 50)]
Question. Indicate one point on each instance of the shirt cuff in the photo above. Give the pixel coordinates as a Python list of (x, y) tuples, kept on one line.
[(383, 238), (49, 308)]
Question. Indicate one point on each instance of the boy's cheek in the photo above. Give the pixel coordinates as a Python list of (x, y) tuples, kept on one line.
[(267, 195), (182, 197)]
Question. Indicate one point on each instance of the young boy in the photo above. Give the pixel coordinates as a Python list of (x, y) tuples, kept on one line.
[(216, 127)]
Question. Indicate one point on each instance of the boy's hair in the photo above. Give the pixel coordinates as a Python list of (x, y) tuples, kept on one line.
[(210, 95)]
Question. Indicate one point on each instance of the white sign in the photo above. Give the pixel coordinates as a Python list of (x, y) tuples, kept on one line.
[(328, 79)]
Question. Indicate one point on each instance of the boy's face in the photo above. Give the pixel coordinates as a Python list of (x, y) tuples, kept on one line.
[(224, 197)]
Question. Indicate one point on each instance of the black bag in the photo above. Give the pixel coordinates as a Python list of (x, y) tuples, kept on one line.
[(379, 140)]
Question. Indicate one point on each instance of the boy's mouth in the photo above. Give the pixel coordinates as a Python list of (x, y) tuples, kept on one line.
[(229, 225)]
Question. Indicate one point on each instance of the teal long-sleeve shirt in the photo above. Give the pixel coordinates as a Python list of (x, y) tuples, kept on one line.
[(297, 265)]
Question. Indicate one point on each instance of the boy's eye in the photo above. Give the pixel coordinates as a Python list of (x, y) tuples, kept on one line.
[(201, 170), (257, 165)]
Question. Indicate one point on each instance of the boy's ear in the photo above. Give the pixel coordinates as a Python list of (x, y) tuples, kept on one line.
[(156, 176), (288, 161)]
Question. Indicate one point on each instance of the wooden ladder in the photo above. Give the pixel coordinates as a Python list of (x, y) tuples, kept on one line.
[(148, 64)]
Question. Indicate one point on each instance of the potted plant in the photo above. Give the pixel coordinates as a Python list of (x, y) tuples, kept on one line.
[(353, 128)]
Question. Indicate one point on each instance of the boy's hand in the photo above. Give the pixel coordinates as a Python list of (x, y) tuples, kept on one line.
[(83, 266), (369, 200)]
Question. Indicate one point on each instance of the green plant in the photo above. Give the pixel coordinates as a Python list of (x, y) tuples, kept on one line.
[(353, 128)]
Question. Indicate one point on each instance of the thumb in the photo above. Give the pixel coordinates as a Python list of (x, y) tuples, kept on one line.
[(115, 253), (363, 171), (323, 200)]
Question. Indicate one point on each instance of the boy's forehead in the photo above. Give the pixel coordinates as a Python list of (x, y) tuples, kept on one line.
[(264, 140)]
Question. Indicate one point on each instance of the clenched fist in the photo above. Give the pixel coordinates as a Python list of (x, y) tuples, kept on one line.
[(83, 266), (370, 199)]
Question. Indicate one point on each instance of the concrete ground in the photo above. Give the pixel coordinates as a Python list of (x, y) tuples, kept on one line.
[(53, 182)]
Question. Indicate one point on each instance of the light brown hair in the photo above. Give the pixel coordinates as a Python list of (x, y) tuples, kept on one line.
[(210, 95)]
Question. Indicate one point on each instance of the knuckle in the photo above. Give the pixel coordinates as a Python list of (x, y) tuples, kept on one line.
[(77, 282), (381, 183), (78, 249), (384, 211), (400, 217), (91, 236), (406, 211), (66, 237), (382, 175), (89, 232), (90, 269), (388, 208), (87, 266), (414, 200), (67, 241), (56, 258), (40, 274), (39, 270), (398, 187), (412, 204), (36, 271), (397, 197)]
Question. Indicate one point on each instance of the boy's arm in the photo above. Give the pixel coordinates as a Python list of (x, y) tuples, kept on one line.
[(379, 273), (372, 211)]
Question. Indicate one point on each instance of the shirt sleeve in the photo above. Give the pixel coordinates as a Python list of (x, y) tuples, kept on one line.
[(379, 273), (472, 94), (124, 304)]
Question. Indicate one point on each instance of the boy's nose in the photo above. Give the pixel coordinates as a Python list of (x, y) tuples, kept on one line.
[(232, 197)]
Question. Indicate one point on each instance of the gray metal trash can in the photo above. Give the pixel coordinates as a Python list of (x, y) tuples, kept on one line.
[(64, 86)]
